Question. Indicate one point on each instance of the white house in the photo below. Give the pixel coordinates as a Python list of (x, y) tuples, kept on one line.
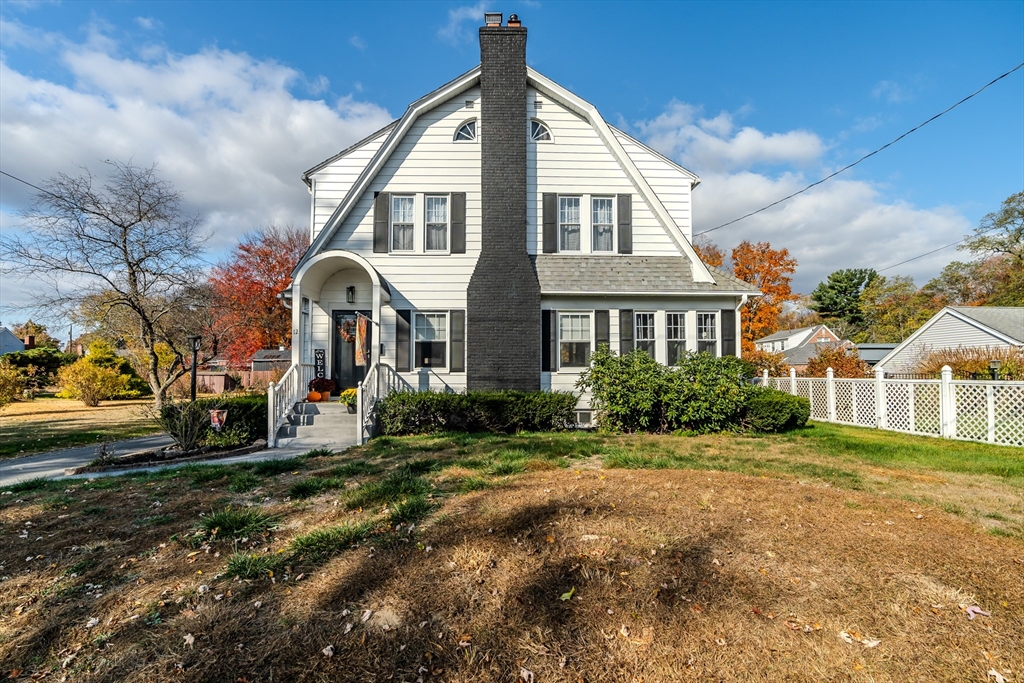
[(954, 327), (499, 232), (9, 342), (800, 345)]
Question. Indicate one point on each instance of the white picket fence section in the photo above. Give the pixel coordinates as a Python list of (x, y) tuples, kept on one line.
[(990, 411)]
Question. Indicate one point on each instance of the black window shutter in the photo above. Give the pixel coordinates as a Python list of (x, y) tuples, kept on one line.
[(458, 224), (625, 223), (549, 341), (602, 329), (550, 220), (625, 331), (728, 332), (402, 351), (381, 218), (458, 359)]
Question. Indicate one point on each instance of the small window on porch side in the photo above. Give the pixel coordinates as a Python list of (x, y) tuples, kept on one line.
[(430, 345)]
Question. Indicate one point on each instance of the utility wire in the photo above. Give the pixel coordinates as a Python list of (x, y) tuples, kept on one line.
[(929, 253), (865, 157), (25, 182)]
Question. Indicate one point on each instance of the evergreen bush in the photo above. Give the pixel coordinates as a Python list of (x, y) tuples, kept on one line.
[(502, 412), (770, 410), (189, 423)]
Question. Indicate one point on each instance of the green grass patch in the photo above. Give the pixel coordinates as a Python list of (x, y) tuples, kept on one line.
[(272, 468), (307, 488), (243, 481), (232, 523), (250, 566), (58, 502), (204, 475), (156, 520), (37, 484), (394, 487), (328, 541), (25, 439), (317, 453), (356, 468), (473, 484), (412, 509)]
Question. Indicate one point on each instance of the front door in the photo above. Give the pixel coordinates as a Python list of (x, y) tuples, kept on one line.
[(344, 370)]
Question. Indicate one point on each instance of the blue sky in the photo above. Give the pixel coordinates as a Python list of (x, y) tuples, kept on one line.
[(234, 100)]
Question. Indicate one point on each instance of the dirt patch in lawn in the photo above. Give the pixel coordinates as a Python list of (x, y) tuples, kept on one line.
[(49, 423), (554, 575)]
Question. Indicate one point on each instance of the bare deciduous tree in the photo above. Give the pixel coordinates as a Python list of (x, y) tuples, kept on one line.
[(124, 250)]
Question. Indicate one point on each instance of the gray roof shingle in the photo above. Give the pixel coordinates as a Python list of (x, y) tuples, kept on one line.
[(1007, 320), (628, 274)]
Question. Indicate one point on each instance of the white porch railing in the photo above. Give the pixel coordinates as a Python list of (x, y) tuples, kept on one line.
[(990, 411), (380, 380), (282, 397)]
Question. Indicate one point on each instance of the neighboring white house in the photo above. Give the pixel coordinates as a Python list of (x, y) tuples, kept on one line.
[(958, 327), (499, 232), (9, 342), (800, 345)]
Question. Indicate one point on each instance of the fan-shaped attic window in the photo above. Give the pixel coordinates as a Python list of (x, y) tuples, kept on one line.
[(539, 131), (466, 132)]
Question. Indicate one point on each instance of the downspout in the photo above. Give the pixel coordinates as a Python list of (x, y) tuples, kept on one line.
[(739, 326)]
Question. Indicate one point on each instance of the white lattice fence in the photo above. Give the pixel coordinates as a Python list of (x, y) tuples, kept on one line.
[(971, 410)]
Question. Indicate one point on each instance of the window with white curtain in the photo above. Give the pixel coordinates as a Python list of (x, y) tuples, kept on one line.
[(676, 336), (569, 224), (402, 222), (574, 340), (437, 223), (603, 224)]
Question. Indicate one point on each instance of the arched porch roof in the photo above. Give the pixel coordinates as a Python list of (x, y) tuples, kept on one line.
[(316, 271)]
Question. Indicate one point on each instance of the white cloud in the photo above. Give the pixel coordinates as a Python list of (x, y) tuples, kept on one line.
[(357, 42), (148, 23), (891, 91), (711, 143), (844, 223), (224, 128), (455, 31)]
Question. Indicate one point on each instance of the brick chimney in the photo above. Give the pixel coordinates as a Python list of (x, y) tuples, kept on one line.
[(503, 311), (30, 342)]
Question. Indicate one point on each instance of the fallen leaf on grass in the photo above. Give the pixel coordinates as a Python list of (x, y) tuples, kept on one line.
[(856, 637), (92, 622), (190, 640), (348, 628), (328, 651), (526, 675), (996, 675), (568, 595), (975, 611), (720, 642), (367, 613)]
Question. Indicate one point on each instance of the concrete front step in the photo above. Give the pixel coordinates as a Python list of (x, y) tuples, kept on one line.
[(319, 425)]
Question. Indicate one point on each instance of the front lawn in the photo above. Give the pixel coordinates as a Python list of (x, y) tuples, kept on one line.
[(832, 553), (46, 424)]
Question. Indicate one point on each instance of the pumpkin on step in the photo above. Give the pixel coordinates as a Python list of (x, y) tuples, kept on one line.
[(313, 396)]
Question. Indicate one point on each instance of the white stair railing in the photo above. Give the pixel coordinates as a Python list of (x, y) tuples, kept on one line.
[(380, 381), (283, 395)]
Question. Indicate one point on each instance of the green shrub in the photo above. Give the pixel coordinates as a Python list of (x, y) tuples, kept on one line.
[(38, 367), (635, 393), (88, 382), (189, 422), (769, 410), (11, 382), (502, 412)]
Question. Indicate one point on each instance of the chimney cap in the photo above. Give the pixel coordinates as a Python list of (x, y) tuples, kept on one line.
[(513, 20), (493, 18)]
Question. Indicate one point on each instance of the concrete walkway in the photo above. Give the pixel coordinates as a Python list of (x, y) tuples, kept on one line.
[(51, 465)]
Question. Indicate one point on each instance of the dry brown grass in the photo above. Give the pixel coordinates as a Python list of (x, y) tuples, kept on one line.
[(673, 574), (48, 423)]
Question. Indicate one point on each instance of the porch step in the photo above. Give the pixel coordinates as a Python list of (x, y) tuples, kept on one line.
[(319, 425)]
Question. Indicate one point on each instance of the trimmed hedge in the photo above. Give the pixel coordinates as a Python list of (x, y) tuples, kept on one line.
[(770, 410), (246, 419), (501, 412)]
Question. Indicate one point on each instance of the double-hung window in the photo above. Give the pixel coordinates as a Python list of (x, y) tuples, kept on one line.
[(574, 340), (676, 337), (430, 347), (645, 338), (402, 222), (437, 223), (603, 224), (569, 224), (707, 333)]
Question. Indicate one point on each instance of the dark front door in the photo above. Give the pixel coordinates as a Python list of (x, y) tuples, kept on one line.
[(344, 370)]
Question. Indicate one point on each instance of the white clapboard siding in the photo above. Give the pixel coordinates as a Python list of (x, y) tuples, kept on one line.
[(332, 183), (577, 162), (948, 332), (670, 183)]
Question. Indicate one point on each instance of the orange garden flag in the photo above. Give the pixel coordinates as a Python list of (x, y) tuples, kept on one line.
[(361, 339)]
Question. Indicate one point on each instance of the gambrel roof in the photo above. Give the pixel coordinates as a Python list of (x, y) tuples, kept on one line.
[(699, 272)]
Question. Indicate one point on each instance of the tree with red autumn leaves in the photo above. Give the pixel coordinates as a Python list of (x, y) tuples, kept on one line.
[(246, 286)]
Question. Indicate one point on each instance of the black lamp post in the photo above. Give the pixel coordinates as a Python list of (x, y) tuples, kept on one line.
[(196, 342)]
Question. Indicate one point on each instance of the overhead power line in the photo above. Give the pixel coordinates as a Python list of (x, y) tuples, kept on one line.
[(929, 253), (863, 158), (25, 182)]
